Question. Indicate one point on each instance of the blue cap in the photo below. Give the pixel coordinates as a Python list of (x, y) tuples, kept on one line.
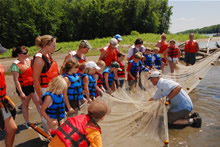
[(118, 37)]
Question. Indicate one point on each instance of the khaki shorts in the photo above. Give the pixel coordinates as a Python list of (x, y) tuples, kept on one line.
[(5, 114), (174, 60), (173, 116)]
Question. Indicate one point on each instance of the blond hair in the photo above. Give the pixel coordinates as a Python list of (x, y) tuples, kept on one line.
[(163, 35), (157, 48), (57, 85), (101, 63), (138, 55), (88, 70), (42, 41)]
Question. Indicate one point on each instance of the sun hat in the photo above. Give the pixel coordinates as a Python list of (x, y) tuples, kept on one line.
[(154, 74), (118, 37), (85, 44), (114, 42), (116, 65), (92, 64), (97, 109)]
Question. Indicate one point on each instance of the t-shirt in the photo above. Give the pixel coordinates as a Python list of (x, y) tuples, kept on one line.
[(94, 137), (130, 51), (14, 67), (180, 102)]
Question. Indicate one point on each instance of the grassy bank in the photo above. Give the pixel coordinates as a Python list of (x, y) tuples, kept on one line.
[(149, 40)]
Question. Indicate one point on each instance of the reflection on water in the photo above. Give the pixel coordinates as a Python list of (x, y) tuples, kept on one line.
[(206, 100)]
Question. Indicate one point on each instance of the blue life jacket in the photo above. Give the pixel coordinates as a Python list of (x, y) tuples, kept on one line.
[(91, 85), (135, 67), (75, 89), (157, 62), (148, 61), (111, 76), (57, 109)]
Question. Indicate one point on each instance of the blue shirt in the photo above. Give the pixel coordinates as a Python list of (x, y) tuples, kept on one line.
[(180, 102)]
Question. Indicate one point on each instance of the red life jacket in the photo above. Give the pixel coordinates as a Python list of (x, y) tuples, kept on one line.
[(110, 55), (190, 47), (173, 52), (25, 78), (2, 83), (100, 79), (49, 71), (73, 131), (163, 46), (121, 74)]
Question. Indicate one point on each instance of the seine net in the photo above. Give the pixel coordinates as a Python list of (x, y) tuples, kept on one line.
[(135, 121)]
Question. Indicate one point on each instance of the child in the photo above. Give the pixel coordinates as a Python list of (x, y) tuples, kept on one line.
[(53, 108), (173, 55), (148, 58), (109, 74), (156, 59), (133, 70), (82, 67), (99, 78), (75, 95), (88, 80), (121, 74), (82, 130)]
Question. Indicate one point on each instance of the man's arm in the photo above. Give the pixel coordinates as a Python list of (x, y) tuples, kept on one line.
[(174, 92)]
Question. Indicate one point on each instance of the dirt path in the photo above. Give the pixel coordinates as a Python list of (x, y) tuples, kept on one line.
[(26, 137)]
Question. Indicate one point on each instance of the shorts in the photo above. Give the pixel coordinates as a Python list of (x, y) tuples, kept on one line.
[(27, 90), (5, 114), (190, 58), (173, 60), (173, 116), (132, 83)]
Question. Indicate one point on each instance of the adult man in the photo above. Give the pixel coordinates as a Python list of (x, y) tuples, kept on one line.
[(79, 54), (180, 103), (109, 53), (163, 45), (119, 38), (137, 47), (191, 48)]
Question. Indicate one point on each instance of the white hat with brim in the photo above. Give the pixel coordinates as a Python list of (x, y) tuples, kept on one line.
[(154, 74), (92, 64)]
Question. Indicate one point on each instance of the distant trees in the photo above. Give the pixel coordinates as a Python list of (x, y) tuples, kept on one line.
[(68, 20), (206, 30)]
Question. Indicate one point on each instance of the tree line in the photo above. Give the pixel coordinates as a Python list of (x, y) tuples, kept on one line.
[(69, 20), (205, 30)]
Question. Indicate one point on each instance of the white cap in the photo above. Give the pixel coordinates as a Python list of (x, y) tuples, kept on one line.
[(92, 64), (154, 74), (114, 42)]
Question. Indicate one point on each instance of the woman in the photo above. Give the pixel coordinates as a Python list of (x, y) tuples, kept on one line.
[(22, 75), (44, 67)]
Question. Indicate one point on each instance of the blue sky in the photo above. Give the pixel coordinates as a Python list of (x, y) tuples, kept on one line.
[(193, 14)]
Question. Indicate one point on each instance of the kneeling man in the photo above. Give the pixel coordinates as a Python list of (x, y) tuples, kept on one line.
[(181, 105)]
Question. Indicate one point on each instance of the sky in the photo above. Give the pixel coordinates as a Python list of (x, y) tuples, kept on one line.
[(194, 14)]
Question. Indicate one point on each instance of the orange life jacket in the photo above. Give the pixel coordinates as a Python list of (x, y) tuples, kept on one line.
[(25, 78), (163, 46), (173, 52), (110, 55), (190, 47), (2, 84), (49, 71), (73, 131)]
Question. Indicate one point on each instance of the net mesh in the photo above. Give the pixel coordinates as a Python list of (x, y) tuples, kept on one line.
[(135, 121)]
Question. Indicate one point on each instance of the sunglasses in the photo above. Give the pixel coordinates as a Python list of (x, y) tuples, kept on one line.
[(50, 40)]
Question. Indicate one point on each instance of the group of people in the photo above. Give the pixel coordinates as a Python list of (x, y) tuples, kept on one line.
[(58, 94)]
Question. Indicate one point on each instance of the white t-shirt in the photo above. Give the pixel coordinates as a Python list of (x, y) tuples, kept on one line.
[(130, 51)]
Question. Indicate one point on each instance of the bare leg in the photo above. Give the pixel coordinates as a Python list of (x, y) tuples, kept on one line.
[(25, 104), (36, 102), (181, 122), (10, 128)]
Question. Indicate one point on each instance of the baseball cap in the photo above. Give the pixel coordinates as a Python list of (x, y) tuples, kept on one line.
[(114, 42), (154, 74), (85, 44), (116, 65), (118, 37), (97, 109), (92, 64)]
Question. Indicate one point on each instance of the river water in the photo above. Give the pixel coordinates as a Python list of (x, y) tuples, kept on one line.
[(206, 101)]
